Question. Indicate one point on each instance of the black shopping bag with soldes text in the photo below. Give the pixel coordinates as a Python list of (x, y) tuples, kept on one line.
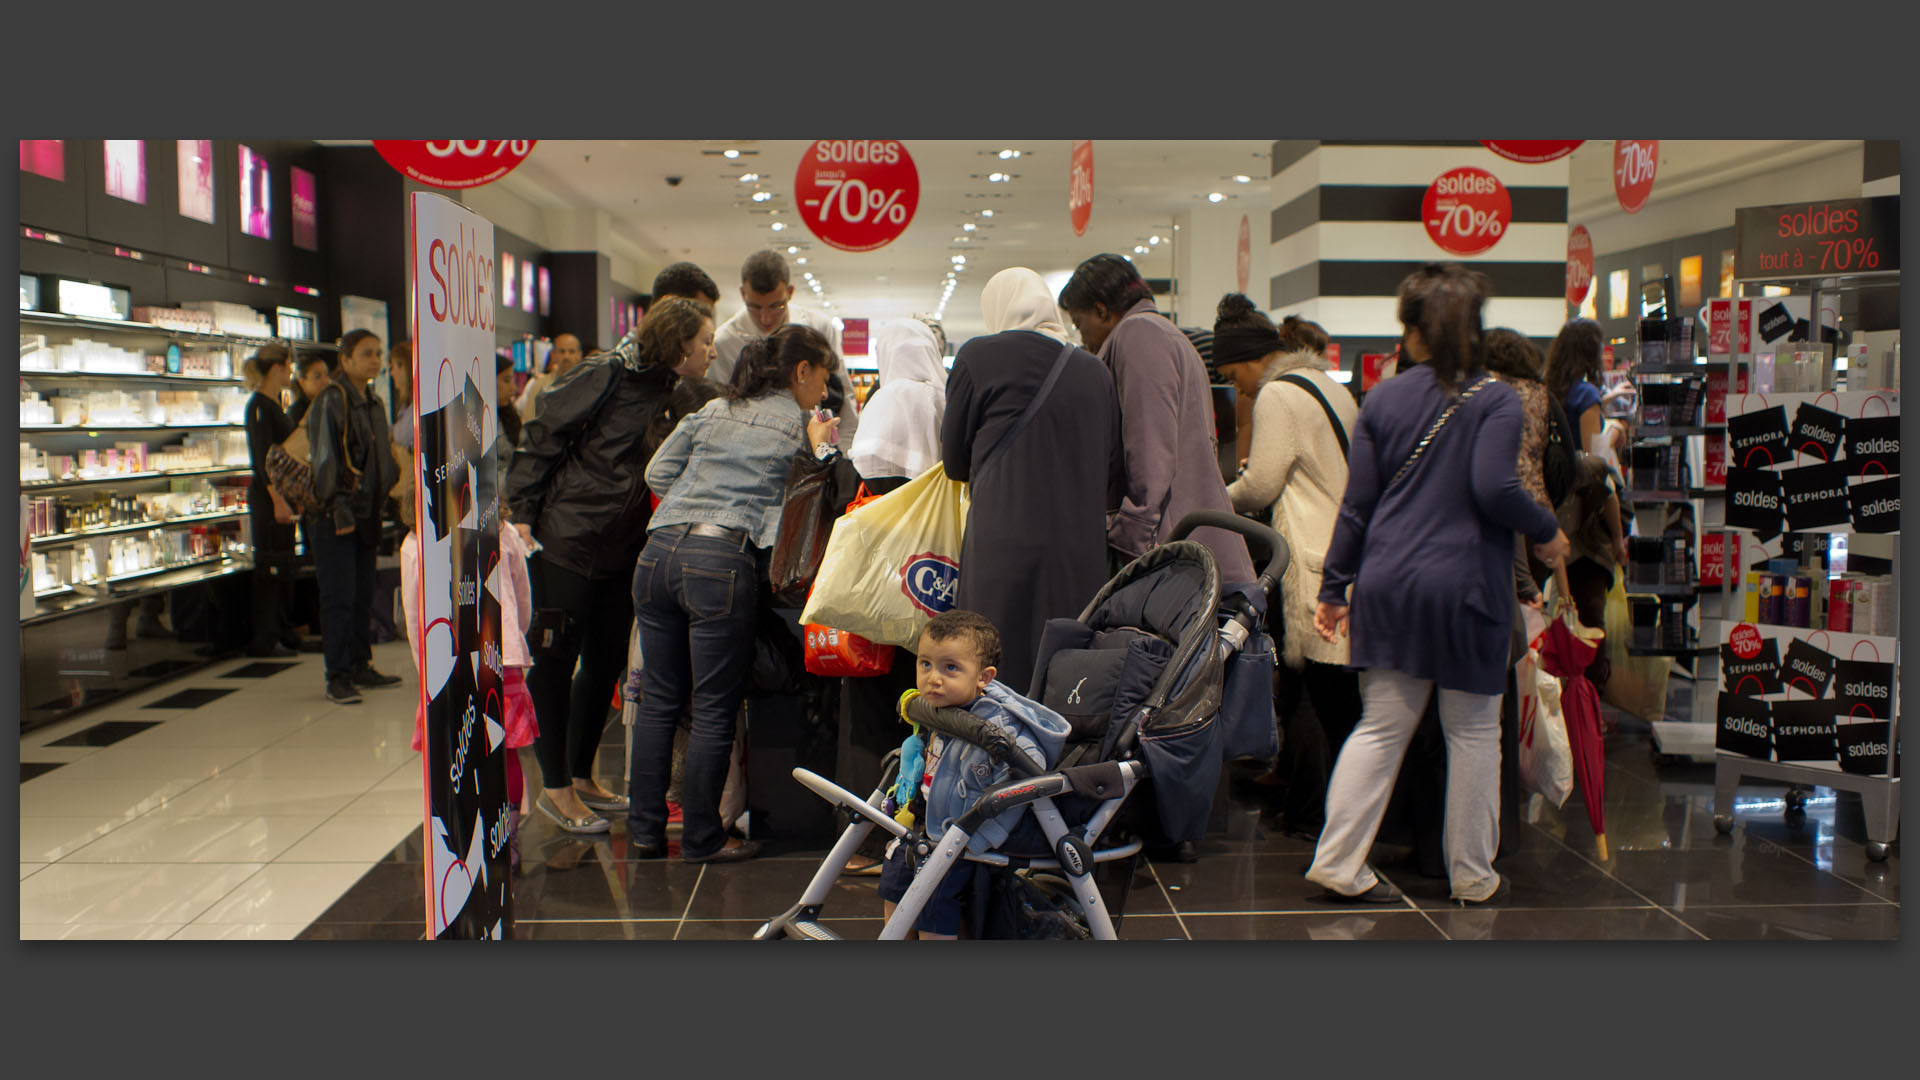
[(1755, 501), (1817, 432), (1744, 727), (1803, 731), (1751, 678), (1864, 746), (1807, 669), (1816, 496), (1873, 446), (1866, 686), (1875, 506), (1758, 439)]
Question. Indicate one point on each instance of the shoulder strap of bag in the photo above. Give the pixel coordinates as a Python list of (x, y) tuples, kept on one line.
[(1033, 407), (1333, 418), (1421, 448)]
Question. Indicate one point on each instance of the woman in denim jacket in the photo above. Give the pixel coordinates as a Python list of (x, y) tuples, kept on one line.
[(721, 477)]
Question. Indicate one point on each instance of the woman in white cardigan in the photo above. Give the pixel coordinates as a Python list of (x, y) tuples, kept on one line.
[(1296, 471)]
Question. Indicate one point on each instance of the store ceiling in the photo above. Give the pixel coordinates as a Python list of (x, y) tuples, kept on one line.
[(710, 218), (1685, 165)]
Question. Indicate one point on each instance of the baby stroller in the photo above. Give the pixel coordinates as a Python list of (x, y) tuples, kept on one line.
[(1138, 677)]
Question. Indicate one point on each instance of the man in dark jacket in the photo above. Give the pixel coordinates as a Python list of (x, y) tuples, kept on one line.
[(353, 469)]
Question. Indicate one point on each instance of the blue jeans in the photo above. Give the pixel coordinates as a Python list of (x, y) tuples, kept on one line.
[(695, 599), (343, 567)]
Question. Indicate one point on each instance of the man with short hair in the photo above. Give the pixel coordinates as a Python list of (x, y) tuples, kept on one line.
[(685, 279), (767, 290), (566, 352), (1166, 414)]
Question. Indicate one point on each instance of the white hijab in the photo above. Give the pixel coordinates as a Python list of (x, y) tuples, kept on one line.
[(1017, 299), (900, 426)]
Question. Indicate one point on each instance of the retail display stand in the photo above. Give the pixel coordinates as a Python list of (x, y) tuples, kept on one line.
[(1809, 687), (150, 526)]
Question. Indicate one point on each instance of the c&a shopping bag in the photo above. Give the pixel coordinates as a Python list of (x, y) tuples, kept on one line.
[(894, 563)]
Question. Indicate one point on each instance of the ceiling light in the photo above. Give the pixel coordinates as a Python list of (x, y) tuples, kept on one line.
[(959, 239), (802, 260), (1214, 196), (1009, 154), (731, 154), (968, 227), (762, 196), (995, 178), (1139, 249), (808, 275), (986, 213), (1242, 178), (959, 259), (748, 178), (792, 250), (1153, 240), (779, 225)]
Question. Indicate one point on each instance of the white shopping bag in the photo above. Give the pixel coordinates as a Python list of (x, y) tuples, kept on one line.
[(1546, 757), (893, 563)]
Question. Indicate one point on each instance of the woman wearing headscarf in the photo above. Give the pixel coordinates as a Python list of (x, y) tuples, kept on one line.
[(899, 439), (1036, 539)]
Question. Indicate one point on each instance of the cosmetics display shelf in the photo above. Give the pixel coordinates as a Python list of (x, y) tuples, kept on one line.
[(123, 478), (1674, 432), (143, 526), (50, 375), (69, 600), (1699, 367), (75, 322), (76, 429)]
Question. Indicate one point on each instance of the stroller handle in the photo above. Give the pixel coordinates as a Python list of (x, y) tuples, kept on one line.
[(1265, 545), (967, 727)]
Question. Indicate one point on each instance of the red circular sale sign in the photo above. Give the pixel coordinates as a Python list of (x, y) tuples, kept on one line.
[(1745, 640), (1579, 265), (1466, 211), (857, 194), (1080, 187), (1243, 262), (1634, 161), (1532, 151), (454, 163)]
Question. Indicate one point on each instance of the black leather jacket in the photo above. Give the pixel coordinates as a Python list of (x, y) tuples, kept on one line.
[(579, 475), (349, 427)]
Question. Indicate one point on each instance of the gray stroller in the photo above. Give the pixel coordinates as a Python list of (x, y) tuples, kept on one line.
[(1138, 677)]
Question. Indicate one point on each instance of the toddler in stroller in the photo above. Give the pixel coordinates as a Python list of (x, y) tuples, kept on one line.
[(1136, 680)]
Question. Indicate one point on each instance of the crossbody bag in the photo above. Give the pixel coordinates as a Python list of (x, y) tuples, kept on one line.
[(1304, 383), (1427, 439), (289, 464)]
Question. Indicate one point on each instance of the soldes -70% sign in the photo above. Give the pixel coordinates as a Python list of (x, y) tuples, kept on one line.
[(857, 194), (1466, 211), (454, 163)]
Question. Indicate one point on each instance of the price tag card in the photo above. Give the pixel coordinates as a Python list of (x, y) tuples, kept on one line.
[(1817, 432), (1816, 496), (1754, 501), (1759, 439), (1807, 669), (1875, 506), (1873, 446), (1745, 727), (1803, 731)]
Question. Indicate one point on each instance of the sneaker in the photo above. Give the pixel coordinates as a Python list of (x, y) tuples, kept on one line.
[(674, 816), (340, 691), (366, 678)]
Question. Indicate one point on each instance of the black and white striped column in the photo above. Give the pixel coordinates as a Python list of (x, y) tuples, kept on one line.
[(1345, 229)]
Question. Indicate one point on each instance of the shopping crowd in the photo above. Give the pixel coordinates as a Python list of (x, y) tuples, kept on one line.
[(643, 486)]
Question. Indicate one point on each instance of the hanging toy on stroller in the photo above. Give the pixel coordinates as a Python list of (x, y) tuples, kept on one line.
[(1138, 677)]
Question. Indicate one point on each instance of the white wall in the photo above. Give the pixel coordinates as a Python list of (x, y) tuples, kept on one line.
[(508, 211), (1836, 176), (1205, 265)]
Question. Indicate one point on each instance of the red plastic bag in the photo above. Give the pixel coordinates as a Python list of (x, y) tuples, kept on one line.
[(833, 654)]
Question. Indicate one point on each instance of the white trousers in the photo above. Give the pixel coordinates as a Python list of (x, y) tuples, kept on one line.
[(1392, 704)]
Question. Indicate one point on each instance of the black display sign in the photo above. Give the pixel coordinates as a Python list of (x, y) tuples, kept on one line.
[(1818, 432), (1810, 239), (1816, 496), (1875, 506), (1863, 747), (1755, 677), (1744, 727), (1755, 501), (1807, 668), (1865, 687), (1775, 323), (1803, 731), (1758, 439), (1873, 446)]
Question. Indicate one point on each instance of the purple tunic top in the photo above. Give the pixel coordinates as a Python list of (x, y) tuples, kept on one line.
[(1431, 561)]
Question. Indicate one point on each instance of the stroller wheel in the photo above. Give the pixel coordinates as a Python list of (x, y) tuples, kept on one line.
[(1058, 891)]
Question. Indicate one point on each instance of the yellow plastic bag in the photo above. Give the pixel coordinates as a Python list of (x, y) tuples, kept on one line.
[(1637, 685), (894, 563)]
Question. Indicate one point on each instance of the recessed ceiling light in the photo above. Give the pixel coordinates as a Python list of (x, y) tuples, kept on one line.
[(779, 225), (1214, 196), (995, 178), (748, 178), (1153, 240), (1139, 249), (802, 260), (986, 213), (959, 259), (731, 154), (1242, 178), (1006, 155), (791, 250), (968, 227), (762, 196)]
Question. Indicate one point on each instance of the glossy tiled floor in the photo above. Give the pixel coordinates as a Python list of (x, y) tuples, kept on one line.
[(269, 814)]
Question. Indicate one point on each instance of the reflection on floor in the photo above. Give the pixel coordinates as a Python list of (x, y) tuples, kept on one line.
[(268, 813)]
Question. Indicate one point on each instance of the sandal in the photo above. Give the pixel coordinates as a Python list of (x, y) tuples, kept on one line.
[(592, 823)]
